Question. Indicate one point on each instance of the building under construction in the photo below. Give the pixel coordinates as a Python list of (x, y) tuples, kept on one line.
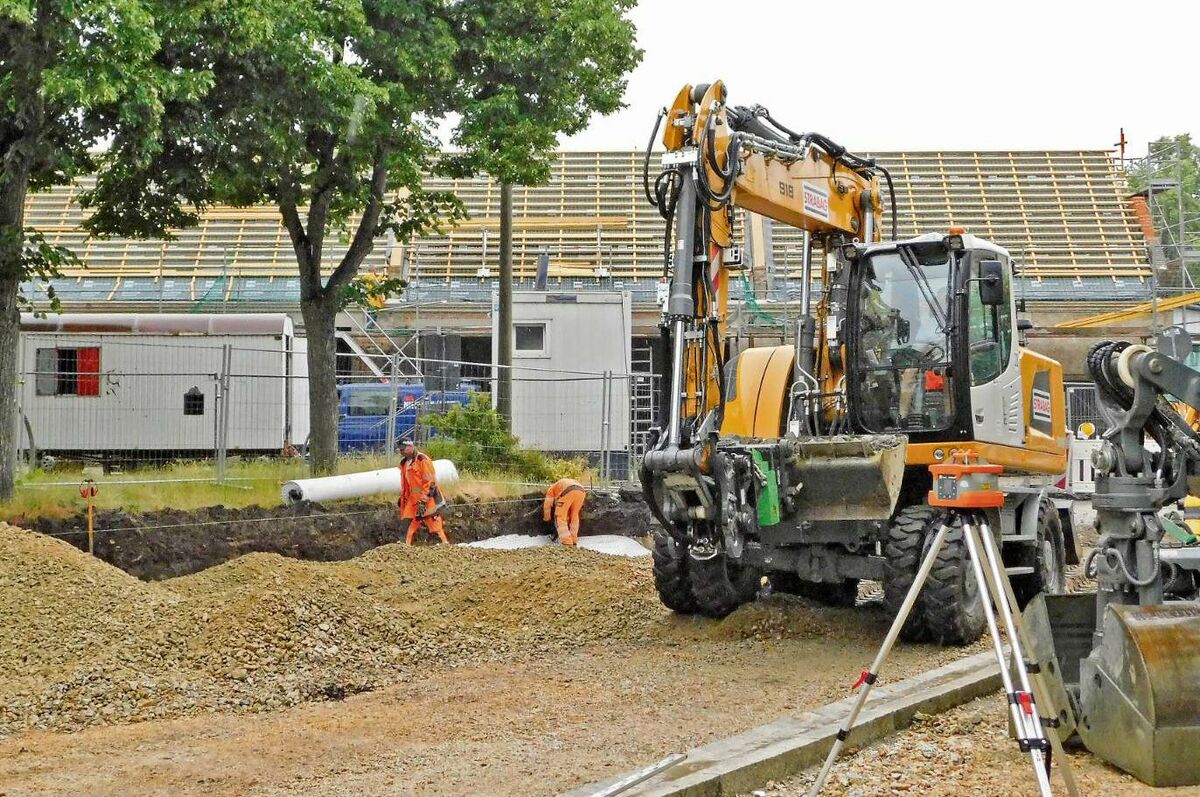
[(1067, 216)]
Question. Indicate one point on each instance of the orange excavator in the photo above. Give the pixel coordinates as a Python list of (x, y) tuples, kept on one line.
[(809, 464)]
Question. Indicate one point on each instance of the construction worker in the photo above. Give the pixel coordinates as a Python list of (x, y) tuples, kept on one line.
[(419, 493), (565, 496)]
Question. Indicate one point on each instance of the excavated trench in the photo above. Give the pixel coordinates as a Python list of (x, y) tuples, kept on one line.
[(168, 543)]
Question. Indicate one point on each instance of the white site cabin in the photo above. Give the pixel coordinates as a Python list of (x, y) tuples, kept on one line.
[(145, 385), (563, 344)]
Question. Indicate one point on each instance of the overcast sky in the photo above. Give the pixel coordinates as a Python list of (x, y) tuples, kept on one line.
[(926, 74)]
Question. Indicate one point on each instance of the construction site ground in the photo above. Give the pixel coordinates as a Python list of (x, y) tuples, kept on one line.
[(966, 751), (424, 670)]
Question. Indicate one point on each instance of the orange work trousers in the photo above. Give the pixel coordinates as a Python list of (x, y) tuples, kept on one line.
[(432, 524), (566, 516)]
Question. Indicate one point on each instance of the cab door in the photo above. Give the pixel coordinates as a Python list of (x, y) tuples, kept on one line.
[(996, 410)]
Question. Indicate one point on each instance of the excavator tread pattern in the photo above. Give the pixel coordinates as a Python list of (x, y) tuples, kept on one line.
[(720, 586), (951, 603), (902, 558), (671, 574)]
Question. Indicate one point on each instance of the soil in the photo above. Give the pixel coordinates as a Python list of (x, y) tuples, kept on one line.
[(156, 545)]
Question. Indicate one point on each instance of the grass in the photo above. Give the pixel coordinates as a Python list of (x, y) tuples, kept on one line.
[(192, 485)]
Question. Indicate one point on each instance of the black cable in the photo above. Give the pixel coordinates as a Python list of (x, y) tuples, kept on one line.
[(646, 161), (892, 193)]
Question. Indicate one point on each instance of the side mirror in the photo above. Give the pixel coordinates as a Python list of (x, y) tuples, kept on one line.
[(1024, 325), (991, 283)]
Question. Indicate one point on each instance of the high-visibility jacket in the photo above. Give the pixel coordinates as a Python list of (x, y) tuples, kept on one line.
[(556, 492), (418, 484)]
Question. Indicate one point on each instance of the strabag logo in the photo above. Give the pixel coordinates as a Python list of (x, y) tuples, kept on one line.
[(1040, 406), (816, 201)]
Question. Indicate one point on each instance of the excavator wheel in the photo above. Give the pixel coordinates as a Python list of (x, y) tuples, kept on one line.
[(951, 604), (1046, 558), (902, 558), (671, 574), (720, 584)]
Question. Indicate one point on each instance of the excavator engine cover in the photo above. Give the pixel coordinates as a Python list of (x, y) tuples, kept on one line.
[(1139, 693), (848, 477)]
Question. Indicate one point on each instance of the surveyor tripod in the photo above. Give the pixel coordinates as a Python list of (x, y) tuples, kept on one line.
[(998, 600)]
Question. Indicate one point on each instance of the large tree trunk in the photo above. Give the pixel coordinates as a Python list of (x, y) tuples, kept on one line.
[(319, 316), (504, 324), (13, 186)]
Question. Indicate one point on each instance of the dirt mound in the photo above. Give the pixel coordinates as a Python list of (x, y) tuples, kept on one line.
[(169, 543), (85, 643)]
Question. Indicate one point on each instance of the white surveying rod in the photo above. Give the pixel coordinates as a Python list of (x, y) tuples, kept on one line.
[(868, 678)]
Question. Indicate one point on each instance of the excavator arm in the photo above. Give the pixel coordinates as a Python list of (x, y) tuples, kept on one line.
[(720, 158)]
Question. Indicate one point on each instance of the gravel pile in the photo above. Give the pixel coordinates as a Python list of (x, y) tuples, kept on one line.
[(85, 643)]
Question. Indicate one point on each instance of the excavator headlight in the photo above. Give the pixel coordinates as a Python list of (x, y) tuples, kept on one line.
[(939, 454), (850, 252), (954, 243)]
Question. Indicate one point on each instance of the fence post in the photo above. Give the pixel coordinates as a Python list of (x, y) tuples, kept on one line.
[(393, 409), (223, 417), (605, 420)]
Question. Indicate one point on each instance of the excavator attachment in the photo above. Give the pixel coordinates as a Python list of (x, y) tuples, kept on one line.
[(847, 477), (1136, 694), (1139, 695)]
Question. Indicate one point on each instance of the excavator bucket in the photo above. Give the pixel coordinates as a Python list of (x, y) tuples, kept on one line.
[(848, 477), (1138, 690)]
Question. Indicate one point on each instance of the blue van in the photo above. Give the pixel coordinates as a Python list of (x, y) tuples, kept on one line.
[(363, 410)]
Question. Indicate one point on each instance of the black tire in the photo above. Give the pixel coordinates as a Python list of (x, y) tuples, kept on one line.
[(1045, 557), (720, 585), (902, 558), (951, 604), (671, 574)]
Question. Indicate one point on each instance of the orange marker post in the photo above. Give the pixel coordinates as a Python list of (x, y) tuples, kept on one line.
[(87, 491)]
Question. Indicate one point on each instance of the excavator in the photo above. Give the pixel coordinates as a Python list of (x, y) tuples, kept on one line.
[(808, 463), (806, 467)]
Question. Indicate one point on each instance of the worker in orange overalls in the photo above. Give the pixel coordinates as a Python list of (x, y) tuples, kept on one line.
[(565, 496), (419, 493)]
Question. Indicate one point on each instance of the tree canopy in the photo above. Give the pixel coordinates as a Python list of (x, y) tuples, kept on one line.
[(531, 70), (1172, 159)]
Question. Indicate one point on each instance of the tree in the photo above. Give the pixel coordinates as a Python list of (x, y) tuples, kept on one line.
[(1172, 160), (73, 74), (530, 71), (326, 114)]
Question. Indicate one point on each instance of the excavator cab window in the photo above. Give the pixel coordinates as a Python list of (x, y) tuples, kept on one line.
[(903, 348), (989, 326)]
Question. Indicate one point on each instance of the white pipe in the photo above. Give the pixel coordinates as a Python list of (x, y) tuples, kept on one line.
[(359, 485)]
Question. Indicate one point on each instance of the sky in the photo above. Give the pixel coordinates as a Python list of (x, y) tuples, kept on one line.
[(925, 74)]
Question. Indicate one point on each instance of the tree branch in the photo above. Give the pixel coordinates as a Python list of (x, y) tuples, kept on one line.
[(364, 237), (310, 277)]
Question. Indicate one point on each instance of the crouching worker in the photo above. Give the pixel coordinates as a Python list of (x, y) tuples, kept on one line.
[(419, 493), (565, 497)]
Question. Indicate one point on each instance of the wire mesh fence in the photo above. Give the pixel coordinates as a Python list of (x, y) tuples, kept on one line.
[(197, 409)]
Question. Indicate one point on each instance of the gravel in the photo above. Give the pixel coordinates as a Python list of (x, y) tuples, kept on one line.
[(87, 644), (966, 751)]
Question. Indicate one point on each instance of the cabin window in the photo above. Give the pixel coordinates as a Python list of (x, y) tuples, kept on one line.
[(529, 338), (193, 402), (68, 371)]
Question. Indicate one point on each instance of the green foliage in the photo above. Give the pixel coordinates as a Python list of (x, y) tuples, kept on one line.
[(370, 293), (1172, 158), (73, 74), (477, 440), (531, 70)]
